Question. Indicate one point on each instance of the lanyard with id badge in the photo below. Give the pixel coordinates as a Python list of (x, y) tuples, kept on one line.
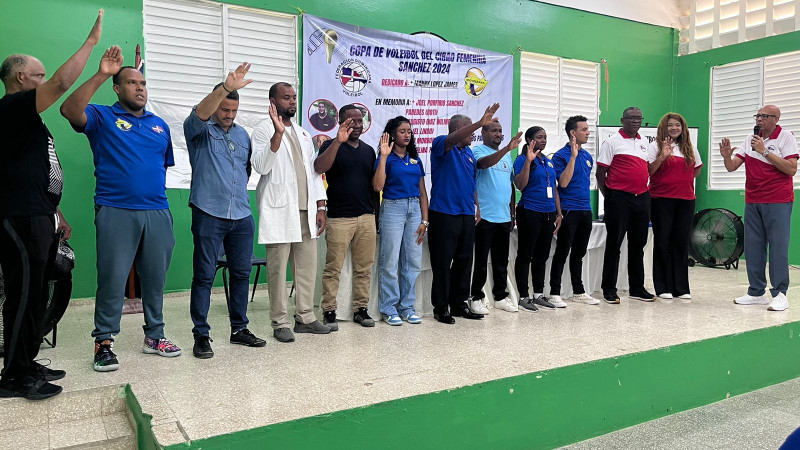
[(549, 188)]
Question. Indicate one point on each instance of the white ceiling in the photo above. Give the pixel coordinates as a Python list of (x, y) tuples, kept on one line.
[(657, 12)]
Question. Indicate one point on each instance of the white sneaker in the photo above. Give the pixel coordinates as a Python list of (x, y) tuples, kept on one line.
[(779, 303), (685, 297), (506, 305), (585, 299), (751, 300), (477, 307), (665, 295), (485, 303), (557, 302)]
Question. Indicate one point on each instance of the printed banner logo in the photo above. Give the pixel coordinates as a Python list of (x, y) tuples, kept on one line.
[(353, 75), (475, 82)]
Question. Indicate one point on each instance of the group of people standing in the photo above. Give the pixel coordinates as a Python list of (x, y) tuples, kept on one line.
[(473, 207)]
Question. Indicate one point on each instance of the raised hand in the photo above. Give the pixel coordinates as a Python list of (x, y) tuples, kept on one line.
[(277, 121), (666, 148), (344, 131), (97, 30), (531, 152), (385, 147), (235, 79), (573, 145), (515, 141), (111, 61), (725, 148), (488, 116)]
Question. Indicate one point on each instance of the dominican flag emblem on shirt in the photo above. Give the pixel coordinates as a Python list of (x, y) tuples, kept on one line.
[(158, 129)]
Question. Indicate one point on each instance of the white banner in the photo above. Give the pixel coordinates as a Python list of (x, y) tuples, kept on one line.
[(388, 74)]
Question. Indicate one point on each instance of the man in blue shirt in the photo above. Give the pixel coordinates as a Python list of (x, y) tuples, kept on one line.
[(452, 216), (573, 167), (495, 186), (132, 149), (219, 152)]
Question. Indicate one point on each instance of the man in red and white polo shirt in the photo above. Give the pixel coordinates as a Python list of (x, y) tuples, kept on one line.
[(770, 159), (622, 178)]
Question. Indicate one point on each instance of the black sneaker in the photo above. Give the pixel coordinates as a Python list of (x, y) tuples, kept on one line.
[(202, 347), (29, 387), (610, 298), (46, 373), (362, 318), (527, 304), (642, 295), (329, 319), (105, 360), (543, 301), (246, 337)]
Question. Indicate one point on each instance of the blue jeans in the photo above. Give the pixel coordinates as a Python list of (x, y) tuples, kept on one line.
[(210, 234), (399, 256)]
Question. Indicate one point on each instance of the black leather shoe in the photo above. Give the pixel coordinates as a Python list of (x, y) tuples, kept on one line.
[(611, 298), (444, 318), (465, 313)]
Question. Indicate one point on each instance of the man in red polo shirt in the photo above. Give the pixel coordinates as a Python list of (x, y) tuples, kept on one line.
[(770, 158), (622, 178)]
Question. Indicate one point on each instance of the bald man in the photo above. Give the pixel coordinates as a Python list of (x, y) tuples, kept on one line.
[(452, 213), (31, 180), (770, 159)]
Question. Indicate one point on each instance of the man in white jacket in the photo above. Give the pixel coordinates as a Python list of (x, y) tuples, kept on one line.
[(291, 205)]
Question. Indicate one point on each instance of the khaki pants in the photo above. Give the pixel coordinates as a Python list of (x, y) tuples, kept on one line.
[(359, 234), (303, 256)]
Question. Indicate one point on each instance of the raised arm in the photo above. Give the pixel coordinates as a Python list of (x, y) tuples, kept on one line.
[(664, 152), (379, 179), (521, 179), (324, 161), (234, 81), (787, 166), (463, 133), (51, 90), (726, 151), (494, 158), (569, 170), (74, 107)]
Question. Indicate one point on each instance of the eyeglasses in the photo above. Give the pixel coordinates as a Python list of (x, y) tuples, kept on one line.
[(634, 118), (763, 116)]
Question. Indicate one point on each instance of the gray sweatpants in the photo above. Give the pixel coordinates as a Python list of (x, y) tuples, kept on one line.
[(125, 236), (767, 225)]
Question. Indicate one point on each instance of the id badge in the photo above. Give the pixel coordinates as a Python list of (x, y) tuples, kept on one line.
[(549, 192)]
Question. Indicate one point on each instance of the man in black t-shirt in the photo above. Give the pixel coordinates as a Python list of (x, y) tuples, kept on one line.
[(348, 163), (322, 121), (30, 221)]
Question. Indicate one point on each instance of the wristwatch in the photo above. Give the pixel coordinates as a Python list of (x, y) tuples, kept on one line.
[(322, 208), (426, 223), (766, 152)]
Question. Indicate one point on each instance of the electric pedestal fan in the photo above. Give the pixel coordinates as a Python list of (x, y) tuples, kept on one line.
[(717, 238)]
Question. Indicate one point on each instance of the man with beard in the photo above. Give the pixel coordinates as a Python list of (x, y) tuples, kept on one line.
[(322, 121), (291, 207), (348, 164), (495, 186), (132, 149)]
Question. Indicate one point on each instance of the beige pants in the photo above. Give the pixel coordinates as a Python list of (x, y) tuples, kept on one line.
[(359, 234), (303, 256)]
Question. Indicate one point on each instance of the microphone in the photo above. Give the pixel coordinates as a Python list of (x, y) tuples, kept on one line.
[(756, 131)]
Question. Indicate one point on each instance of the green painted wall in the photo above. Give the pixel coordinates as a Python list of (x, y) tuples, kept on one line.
[(640, 60), (550, 408), (692, 101)]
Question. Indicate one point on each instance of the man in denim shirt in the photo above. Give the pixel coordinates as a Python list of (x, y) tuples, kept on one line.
[(219, 152)]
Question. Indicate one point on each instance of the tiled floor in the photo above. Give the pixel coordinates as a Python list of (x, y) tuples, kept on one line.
[(760, 419), (191, 398)]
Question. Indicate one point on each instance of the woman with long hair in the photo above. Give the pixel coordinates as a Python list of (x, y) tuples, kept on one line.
[(538, 217), (674, 163), (403, 221)]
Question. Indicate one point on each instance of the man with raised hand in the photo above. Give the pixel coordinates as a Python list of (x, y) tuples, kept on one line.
[(219, 152), (31, 181), (496, 195), (770, 159), (132, 149)]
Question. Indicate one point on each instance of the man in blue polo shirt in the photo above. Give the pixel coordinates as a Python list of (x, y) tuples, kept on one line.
[(132, 149), (573, 167), (219, 152), (495, 186), (452, 217)]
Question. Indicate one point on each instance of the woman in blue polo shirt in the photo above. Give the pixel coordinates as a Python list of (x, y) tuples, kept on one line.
[(403, 221), (538, 217)]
